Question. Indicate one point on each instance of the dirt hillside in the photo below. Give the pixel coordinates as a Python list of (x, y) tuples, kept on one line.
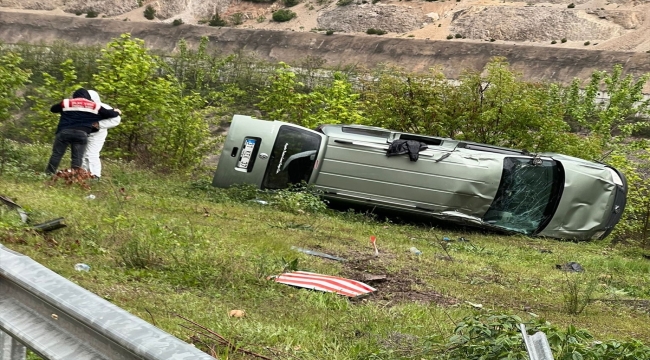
[(618, 25)]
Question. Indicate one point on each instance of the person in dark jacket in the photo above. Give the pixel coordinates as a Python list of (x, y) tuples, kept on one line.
[(79, 117)]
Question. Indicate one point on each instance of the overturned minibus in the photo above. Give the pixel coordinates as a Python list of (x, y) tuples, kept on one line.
[(513, 191)]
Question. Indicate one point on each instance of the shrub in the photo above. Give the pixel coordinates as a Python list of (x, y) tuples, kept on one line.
[(563, 40), (587, 43), (373, 31), (216, 20), (571, 6), (344, 2), (78, 13), (177, 22), (458, 36), (92, 14), (439, 25), (149, 12), (290, 3), (449, 37), (237, 18), (553, 42), (329, 32), (261, 19), (492, 40), (283, 15)]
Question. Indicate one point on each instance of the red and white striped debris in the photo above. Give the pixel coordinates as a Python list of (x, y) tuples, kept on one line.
[(327, 283)]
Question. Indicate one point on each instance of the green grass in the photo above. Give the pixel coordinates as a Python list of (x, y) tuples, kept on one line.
[(160, 245)]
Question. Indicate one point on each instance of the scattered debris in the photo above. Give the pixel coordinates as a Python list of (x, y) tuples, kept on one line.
[(73, 176), (537, 344), (327, 283), (373, 278), (50, 225), (545, 251), (259, 201), (237, 313), (12, 205), (476, 306), (317, 253), (571, 267), (82, 267), (90, 197), (373, 240), (415, 250)]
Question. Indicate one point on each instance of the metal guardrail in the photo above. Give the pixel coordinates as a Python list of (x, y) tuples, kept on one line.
[(59, 320)]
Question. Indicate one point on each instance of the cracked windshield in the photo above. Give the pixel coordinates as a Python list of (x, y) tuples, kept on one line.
[(527, 195)]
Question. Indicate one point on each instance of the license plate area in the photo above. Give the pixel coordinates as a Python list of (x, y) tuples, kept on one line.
[(248, 154)]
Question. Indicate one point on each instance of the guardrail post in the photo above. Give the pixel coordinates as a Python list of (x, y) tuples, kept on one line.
[(10, 349)]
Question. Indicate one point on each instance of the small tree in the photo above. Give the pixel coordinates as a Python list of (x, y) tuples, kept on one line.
[(12, 79), (283, 15), (149, 12)]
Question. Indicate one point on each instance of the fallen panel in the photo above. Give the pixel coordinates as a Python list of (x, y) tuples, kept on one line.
[(12, 205), (317, 253), (50, 225), (327, 283)]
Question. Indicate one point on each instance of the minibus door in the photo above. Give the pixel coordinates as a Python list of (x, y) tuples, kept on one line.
[(245, 152)]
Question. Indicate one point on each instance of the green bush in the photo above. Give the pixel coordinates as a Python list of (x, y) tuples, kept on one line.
[(237, 18), (216, 20), (329, 32), (149, 12), (587, 43), (283, 15), (92, 14), (290, 3), (449, 37), (373, 31), (563, 40), (458, 36), (78, 13), (571, 6), (492, 40), (553, 42), (177, 22), (344, 2)]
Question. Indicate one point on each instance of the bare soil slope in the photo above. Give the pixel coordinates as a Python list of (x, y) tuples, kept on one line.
[(619, 25)]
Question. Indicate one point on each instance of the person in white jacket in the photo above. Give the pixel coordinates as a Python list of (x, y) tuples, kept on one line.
[(96, 139)]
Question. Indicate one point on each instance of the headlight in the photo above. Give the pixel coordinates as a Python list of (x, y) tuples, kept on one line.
[(615, 177), (597, 235)]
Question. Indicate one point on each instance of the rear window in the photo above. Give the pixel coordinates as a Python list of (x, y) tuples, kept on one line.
[(292, 159)]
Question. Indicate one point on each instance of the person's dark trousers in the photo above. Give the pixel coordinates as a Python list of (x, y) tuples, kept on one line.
[(77, 139)]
